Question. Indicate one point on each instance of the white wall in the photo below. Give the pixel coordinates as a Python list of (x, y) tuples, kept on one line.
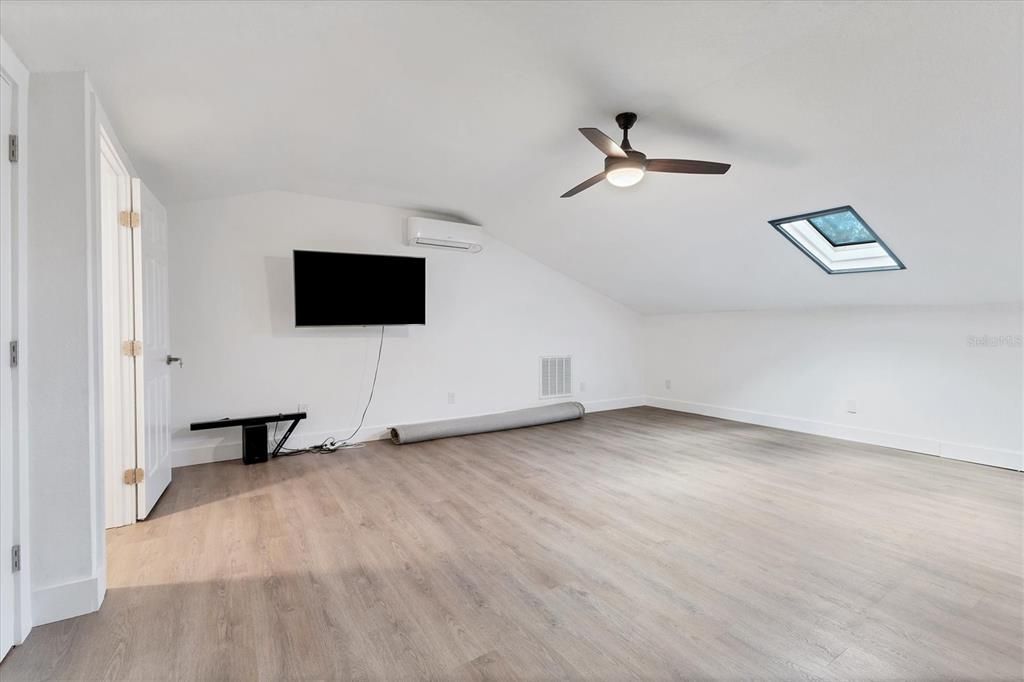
[(61, 478), (919, 381), (68, 552), (489, 318)]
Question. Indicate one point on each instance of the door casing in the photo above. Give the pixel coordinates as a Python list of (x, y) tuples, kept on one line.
[(14, 486)]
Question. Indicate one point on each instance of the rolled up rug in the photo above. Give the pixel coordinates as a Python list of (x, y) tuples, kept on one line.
[(501, 421)]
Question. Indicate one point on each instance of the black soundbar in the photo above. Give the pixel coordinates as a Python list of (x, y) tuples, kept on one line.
[(254, 433)]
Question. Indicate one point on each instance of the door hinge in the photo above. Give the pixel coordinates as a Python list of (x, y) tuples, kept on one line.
[(132, 349), (133, 476), (14, 353), (12, 148), (15, 558), (129, 219)]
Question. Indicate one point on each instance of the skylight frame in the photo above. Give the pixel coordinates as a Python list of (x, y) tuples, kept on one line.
[(779, 222)]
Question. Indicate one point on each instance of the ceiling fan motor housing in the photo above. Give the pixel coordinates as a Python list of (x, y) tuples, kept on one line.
[(625, 172), (634, 159)]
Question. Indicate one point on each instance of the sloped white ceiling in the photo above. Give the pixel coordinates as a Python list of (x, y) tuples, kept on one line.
[(910, 112)]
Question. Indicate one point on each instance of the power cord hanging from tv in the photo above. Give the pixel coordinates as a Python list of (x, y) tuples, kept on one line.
[(373, 385), (331, 444)]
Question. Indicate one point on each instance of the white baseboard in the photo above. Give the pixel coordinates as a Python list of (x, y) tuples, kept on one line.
[(996, 457), (614, 403), (206, 450), (76, 598), (218, 450), (1003, 458)]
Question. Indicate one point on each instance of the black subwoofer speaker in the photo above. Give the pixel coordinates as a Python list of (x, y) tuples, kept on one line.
[(254, 443)]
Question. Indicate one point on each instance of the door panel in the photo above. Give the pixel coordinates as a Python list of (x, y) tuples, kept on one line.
[(154, 450)]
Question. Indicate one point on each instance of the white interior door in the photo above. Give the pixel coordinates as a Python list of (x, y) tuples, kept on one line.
[(118, 319), (154, 451), (7, 483)]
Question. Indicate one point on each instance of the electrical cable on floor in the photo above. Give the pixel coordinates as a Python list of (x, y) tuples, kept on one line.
[(331, 444)]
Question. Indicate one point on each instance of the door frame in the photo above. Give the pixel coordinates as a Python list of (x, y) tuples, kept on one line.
[(14, 72)]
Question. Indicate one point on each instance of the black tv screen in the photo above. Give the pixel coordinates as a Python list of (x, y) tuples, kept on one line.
[(337, 289)]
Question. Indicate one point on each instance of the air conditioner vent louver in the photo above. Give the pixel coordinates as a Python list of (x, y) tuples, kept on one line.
[(457, 246), (556, 376)]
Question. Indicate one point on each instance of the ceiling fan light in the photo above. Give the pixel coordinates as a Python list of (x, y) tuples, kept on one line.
[(625, 176)]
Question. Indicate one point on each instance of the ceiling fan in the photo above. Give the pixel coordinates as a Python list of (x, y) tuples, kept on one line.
[(625, 166)]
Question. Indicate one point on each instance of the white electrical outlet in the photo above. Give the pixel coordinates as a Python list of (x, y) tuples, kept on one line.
[(583, 386), (851, 406), (668, 384), (451, 398)]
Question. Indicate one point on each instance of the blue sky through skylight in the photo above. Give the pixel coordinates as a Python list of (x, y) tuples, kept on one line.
[(842, 228)]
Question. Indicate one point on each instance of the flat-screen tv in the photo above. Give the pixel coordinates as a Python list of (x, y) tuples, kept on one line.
[(338, 289)]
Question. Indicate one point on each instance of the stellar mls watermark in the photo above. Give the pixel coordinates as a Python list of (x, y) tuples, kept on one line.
[(995, 341)]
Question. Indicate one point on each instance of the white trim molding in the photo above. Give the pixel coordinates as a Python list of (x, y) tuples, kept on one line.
[(16, 73), (614, 403), (997, 457), (58, 602), (205, 450)]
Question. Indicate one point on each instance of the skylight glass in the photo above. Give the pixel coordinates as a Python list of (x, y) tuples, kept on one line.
[(842, 229), (839, 241)]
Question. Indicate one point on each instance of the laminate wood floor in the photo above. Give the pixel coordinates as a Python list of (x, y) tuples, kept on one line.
[(639, 543)]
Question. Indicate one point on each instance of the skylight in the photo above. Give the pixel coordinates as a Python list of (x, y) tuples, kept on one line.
[(839, 241)]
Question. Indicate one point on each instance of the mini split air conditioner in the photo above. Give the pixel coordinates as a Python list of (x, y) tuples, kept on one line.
[(443, 234)]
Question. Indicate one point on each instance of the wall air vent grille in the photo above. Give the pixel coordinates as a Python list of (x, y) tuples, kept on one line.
[(556, 376), (441, 244)]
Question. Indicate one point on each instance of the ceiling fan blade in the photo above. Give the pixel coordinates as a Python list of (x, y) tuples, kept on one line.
[(590, 182), (686, 166), (607, 145)]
